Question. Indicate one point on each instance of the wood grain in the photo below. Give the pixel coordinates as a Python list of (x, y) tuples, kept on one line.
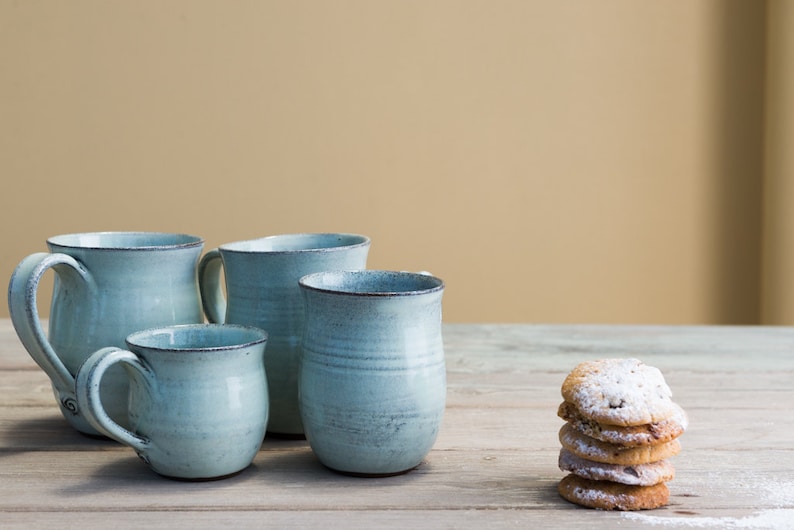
[(494, 464)]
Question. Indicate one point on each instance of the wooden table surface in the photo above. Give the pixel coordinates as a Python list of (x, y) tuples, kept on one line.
[(494, 464)]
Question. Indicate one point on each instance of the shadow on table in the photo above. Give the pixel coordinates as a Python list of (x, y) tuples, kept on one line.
[(51, 433), (124, 471)]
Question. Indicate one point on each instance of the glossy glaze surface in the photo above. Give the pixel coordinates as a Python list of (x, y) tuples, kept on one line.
[(107, 285), (262, 290), (372, 377), (198, 403)]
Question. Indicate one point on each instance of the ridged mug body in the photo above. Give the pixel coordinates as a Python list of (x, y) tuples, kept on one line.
[(372, 380), (262, 290)]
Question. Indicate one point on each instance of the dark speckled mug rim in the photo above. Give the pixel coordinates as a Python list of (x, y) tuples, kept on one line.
[(350, 241), (137, 338), (142, 240), (313, 282)]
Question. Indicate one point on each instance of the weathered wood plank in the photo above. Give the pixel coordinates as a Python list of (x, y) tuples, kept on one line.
[(529, 388), (493, 465), (707, 481), (494, 347), (498, 347), (715, 423), (569, 518)]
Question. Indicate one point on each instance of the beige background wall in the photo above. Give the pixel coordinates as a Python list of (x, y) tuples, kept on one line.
[(778, 220), (552, 161)]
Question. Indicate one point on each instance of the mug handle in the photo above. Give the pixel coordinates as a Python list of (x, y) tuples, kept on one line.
[(87, 384), (23, 308), (212, 298)]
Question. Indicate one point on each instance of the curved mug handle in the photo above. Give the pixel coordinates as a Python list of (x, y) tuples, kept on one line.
[(87, 385), (212, 298), (23, 308)]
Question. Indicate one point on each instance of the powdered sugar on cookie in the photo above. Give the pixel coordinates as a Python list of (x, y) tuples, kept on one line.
[(636, 475), (622, 392), (612, 496), (646, 434), (621, 426), (607, 453)]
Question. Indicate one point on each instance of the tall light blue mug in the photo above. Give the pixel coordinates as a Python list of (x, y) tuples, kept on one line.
[(198, 398), (107, 285), (372, 378), (262, 291)]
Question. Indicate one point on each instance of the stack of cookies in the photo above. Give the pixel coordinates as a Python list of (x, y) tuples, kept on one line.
[(621, 427)]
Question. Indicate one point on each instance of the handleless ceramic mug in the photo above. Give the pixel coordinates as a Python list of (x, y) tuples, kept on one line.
[(372, 377), (107, 285), (198, 398), (262, 291)]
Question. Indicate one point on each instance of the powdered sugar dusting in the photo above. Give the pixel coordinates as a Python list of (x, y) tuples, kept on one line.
[(591, 495), (598, 451), (766, 519), (637, 475), (619, 392), (778, 494)]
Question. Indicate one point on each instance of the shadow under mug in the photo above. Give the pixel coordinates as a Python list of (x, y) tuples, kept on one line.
[(107, 285), (262, 291), (198, 403)]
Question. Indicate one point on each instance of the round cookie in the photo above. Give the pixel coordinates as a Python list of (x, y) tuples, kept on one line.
[(645, 434), (623, 392), (605, 495), (607, 453), (636, 475)]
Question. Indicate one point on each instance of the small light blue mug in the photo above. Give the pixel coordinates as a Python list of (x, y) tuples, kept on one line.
[(107, 285), (198, 403), (372, 379), (262, 291)]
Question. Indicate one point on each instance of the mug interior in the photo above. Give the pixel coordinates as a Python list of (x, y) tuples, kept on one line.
[(372, 282), (125, 240), (297, 243), (197, 337)]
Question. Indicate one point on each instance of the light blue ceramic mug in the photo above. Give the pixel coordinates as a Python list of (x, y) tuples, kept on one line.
[(262, 291), (107, 285), (198, 403), (372, 376)]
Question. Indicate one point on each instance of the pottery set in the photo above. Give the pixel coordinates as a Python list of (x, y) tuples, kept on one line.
[(303, 341)]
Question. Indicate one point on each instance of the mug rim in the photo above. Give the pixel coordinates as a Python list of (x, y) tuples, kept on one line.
[(72, 240), (360, 241), (310, 283), (133, 338)]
